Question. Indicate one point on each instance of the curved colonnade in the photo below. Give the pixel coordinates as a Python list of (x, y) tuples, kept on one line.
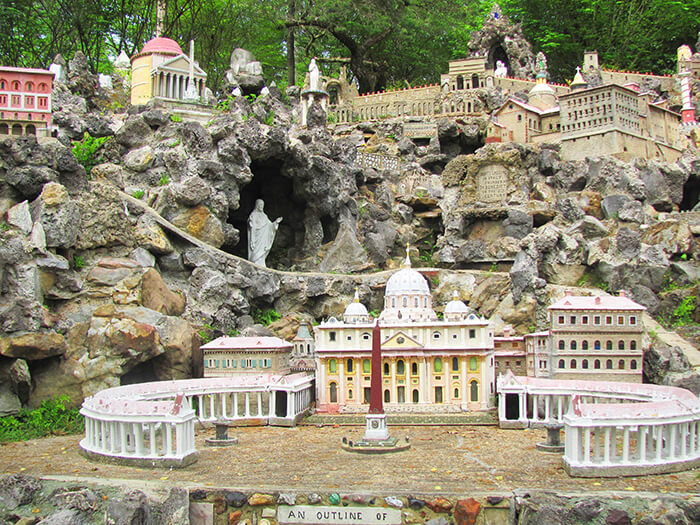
[(154, 423), (611, 429)]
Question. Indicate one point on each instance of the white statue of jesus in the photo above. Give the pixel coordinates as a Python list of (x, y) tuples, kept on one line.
[(314, 76), (501, 69), (261, 234)]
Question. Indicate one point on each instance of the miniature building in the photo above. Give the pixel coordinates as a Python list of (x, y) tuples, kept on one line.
[(25, 101), (597, 337), (428, 365), (227, 356), (304, 351), (509, 352), (537, 353), (163, 72), (615, 120)]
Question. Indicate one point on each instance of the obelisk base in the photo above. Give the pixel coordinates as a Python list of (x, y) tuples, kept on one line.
[(375, 428)]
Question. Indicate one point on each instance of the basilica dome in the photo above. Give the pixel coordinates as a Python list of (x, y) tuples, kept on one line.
[(356, 312), (407, 296)]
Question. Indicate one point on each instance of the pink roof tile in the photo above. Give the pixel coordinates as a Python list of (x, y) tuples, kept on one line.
[(247, 343), (607, 302)]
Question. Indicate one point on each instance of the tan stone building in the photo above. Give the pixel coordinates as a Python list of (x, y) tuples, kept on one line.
[(598, 338), (228, 356), (509, 351)]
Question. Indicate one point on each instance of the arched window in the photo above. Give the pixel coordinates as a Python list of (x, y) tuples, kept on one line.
[(596, 364), (400, 367), (573, 363), (28, 86), (332, 366), (414, 369), (416, 304), (584, 363), (475, 81), (608, 345), (621, 364), (3, 83), (404, 302), (633, 364), (437, 365), (348, 365), (460, 82), (620, 345), (608, 364), (366, 366), (393, 302), (455, 364), (633, 345), (573, 345), (561, 363), (387, 396), (15, 85), (584, 345), (436, 335), (30, 130), (43, 88), (596, 345), (474, 390), (562, 345), (333, 392), (350, 394), (416, 395), (456, 396), (386, 369)]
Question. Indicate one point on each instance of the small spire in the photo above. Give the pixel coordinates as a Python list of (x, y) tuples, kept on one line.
[(578, 82), (357, 295), (455, 295), (407, 261)]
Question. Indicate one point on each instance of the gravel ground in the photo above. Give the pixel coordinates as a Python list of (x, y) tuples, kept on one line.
[(445, 460)]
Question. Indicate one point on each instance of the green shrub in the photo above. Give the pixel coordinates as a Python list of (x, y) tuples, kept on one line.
[(683, 315), (53, 417), (270, 119), (84, 150), (78, 262), (164, 180), (265, 317), (137, 194), (206, 333), (175, 117)]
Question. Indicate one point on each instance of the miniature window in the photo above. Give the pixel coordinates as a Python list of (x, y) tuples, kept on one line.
[(404, 302), (573, 345), (584, 363), (333, 392), (416, 396), (562, 364), (414, 369), (609, 364), (561, 319), (400, 367), (608, 319), (621, 364), (455, 364), (620, 320), (436, 335), (620, 345), (437, 365), (425, 302), (366, 366), (584, 345), (633, 345), (350, 394), (584, 319), (633, 320), (349, 337), (387, 396), (29, 86), (456, 393), (596, 364), (572, 319), (596, 319), (573, 363), (596, 345), (472, 333), (562, 345), (386, 369), (15, 85), (331, 336), (472, 364), (332, 366), (365, 336), (416, 304), (454, 336), (3, 84), (393, 302), (348, 365), (633, 364), (43, 88), (474, 390), (608, 345)]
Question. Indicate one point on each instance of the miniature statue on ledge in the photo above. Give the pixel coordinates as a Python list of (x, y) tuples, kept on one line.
[(501, 69), (261, 234)]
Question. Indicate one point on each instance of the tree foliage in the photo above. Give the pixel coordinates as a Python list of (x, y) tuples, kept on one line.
[(383, 43)]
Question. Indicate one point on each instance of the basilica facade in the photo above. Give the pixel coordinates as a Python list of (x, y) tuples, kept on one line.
[(428, 364)]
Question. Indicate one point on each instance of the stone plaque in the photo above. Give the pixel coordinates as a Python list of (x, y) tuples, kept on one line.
[(308, 514), (492, 184), (420, 130)]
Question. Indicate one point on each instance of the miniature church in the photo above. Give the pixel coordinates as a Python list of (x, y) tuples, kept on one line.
[(428, 364)]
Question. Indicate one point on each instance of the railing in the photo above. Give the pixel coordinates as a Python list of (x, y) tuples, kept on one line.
[(154, 423), (612, 429)]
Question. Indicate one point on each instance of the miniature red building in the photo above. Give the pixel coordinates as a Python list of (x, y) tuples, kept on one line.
[(25, 101)]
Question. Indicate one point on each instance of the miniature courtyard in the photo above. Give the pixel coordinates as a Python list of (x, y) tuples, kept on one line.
[(445, 459)]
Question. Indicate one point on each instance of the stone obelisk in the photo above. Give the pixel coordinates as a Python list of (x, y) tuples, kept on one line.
[(376, 429)]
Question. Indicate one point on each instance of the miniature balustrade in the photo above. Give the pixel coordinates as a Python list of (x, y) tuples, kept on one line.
[(154, 423), (612, 429)]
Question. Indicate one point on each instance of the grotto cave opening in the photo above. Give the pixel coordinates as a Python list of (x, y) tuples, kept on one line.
[(496, 53), (691, 193), (277, 191)]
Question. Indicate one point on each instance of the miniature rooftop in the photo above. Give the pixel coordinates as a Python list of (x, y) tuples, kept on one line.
[(247, 343), (608, 302)]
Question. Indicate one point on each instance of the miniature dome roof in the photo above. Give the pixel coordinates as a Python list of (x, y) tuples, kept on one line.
[(162, 45), (578, 82), (356, 307), (406, 281), (455, 306), (542, 89)]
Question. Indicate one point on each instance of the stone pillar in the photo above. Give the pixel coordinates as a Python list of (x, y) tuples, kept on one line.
[(626, 445), (260, 412), (522, 400), (642, 443), (423, 373), (290, 405), (586, 445), (247, 404), (672, 440), (501, 406), (168, 439), (223, 405), (659, 436), (547, 408), (212, 406), (122, 440), (341, 382), (235, 405), (392, 379), (535, 412), (271, 404)]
